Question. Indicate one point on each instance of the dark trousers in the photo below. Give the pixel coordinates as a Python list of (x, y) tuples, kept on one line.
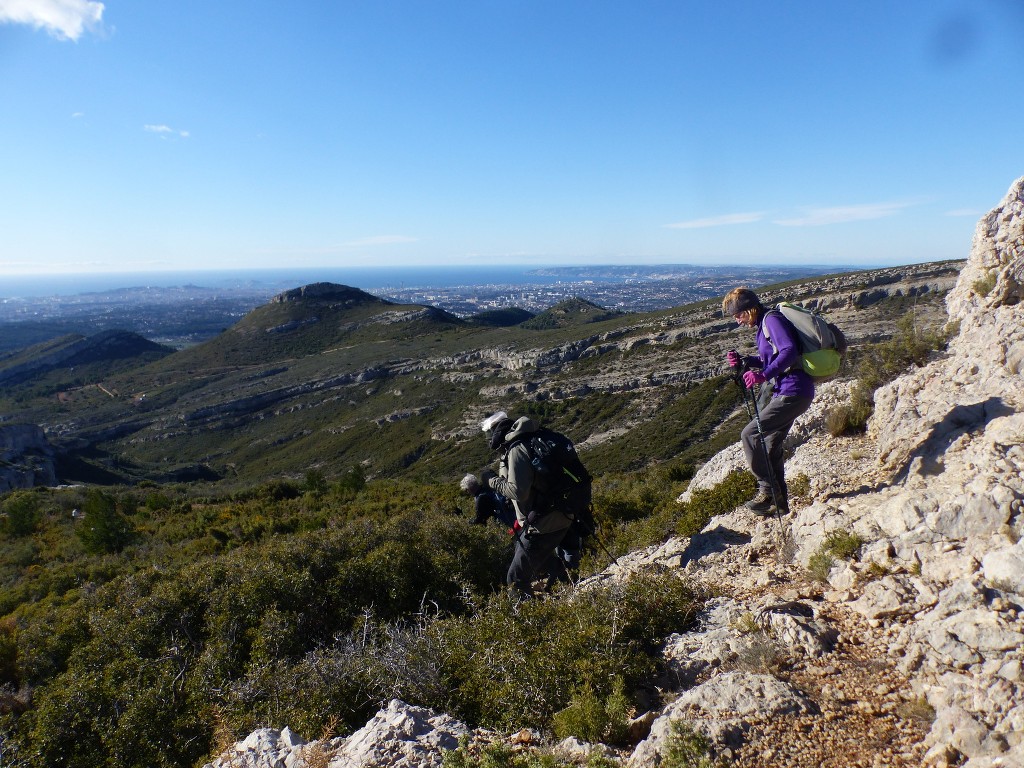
[(534, 558), (777, 416), (570, 550)]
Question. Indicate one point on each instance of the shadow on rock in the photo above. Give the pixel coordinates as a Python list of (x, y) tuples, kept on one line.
[(961, 420), (705, 543)]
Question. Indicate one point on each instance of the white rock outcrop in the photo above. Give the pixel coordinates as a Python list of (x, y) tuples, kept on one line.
[(399, 736), (951, 438), (935, 490)]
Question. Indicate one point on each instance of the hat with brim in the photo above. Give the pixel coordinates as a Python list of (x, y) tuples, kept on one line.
[(741, 302)]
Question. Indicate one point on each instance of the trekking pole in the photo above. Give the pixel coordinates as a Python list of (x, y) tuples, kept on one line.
[(593, 532), (764, 449), (738, 381)]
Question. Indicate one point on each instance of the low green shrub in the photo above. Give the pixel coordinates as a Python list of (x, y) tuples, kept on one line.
[(517, 664), (503, 756), (983, 286), (851, 418), (21, 514), (670, 517), (706, 503), (799, 486), (820, 565), (843, 544), (878, 364), (593, 719), (686, 747)]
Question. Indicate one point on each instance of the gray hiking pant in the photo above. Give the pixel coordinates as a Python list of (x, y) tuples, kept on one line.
[(777, 416), (535, 558)]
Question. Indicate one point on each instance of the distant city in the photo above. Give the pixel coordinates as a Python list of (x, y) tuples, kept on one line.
[(189, 313), (626, 289)]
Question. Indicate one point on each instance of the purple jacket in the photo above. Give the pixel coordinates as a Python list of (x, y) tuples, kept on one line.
[(777, 365)]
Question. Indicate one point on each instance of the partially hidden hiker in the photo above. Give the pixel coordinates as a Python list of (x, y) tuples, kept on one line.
[(789, 395), (488, 503), (540, 530)]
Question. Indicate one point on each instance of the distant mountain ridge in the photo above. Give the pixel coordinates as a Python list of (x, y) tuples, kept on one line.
[(105, 347), (326, 376)]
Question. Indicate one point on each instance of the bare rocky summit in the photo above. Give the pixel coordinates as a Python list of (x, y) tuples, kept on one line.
[(911, 654)]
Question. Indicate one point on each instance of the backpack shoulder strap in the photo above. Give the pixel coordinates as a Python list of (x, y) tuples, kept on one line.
[(521, 440), (764, 327)]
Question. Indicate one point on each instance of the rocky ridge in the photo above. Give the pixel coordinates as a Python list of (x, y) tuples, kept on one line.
[(27, 458), (911, 654), (508, 372), (78, 350), (191, 407)]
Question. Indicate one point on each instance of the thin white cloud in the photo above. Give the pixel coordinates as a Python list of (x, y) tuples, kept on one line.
[(725, 220), (963, 213), (164, 131), (62, 19), (820, 217)]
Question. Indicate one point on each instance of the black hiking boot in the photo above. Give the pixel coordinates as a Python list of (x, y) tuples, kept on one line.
[(761, 504), (764, 503)]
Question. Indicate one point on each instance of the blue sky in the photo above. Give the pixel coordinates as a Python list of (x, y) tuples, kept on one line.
[(195, 134)]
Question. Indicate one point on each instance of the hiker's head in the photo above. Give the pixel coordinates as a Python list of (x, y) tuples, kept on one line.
[(496, 427), (743, 306), (470, 485), (522, 426)]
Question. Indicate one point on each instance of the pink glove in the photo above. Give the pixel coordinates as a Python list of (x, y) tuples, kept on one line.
[(750, 378), (733, 358)]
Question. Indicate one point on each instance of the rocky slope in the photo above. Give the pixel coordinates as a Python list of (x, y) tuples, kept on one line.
[(910, 654)]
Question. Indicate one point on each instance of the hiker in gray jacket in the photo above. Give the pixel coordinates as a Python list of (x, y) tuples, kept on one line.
[(537, 535)]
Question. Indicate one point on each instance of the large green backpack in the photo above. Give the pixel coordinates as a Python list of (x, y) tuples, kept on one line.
[(822, 344)]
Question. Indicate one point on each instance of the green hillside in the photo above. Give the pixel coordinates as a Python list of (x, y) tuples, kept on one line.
[(271, 531), (569, 314), (327, 377)]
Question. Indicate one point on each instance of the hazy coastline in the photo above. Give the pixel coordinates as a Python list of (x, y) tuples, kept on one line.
[(271, 281)]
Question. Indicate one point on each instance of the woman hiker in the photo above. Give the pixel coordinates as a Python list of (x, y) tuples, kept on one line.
[(791, 393)]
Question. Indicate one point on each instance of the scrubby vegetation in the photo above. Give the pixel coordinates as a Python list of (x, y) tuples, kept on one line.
[(878, 364), (504, 756), (687, 748), (837, 544), (332, 566), (983, 286), (144, 626)]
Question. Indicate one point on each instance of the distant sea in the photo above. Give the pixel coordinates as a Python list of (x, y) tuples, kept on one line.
[(271, 280)]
